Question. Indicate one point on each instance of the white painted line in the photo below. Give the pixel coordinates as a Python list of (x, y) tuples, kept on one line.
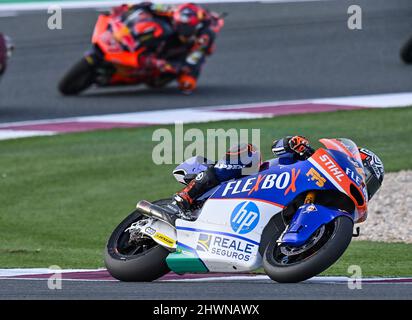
[(385, 100), (227, 278), (169, 116), (23, 129), (372, 101), (6, 274), (344, 280), (35, 122), (326, 279), (16, 134), (316, 280), (208, 113), (14, 272), (62, 279)]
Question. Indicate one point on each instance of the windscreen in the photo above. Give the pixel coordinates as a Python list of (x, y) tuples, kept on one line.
[(348, 147)]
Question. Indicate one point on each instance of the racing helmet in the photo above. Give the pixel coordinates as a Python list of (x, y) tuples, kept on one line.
[(187, 19), (243, 154), (374, 171), (241, 159)]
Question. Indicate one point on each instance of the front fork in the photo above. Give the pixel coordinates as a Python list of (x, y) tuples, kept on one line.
[(310, 198), (104, 71)]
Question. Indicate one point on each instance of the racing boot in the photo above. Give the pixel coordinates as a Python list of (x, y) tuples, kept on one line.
[(203, 182), (187, 83)]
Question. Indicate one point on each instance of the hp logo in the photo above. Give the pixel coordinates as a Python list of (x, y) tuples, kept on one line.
[(245, 217)]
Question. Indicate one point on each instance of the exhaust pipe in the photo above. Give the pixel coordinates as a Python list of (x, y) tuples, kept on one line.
[(153, 210)]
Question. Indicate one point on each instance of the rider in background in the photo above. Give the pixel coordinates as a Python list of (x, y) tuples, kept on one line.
[(287, 151), (6, 49), (186, 28)]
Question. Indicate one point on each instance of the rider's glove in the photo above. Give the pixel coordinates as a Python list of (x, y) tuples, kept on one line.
[(297, 145), (300, 145)]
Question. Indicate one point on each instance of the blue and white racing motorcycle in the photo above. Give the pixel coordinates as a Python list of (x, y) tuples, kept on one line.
[(294, 220)]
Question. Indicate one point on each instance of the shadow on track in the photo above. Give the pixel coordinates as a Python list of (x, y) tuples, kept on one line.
[(203, 91)]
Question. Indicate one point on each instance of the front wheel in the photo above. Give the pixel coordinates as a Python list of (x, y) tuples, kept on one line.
[(78, 78), (140, 259), (287, 264), (161, 81)]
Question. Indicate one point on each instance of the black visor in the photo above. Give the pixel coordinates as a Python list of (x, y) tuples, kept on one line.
[(372, 182)]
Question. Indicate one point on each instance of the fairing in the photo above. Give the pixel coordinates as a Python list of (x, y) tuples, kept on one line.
[(226, 236), (104, 37)]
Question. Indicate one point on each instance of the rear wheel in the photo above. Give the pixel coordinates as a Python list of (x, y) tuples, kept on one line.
[(78, 78), (294, 264), (406, 52), (137, 260)]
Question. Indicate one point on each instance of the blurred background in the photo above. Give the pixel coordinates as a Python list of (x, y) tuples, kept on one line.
[(266, 52)]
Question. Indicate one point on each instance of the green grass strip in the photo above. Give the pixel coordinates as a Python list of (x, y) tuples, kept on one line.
[(61, 196)]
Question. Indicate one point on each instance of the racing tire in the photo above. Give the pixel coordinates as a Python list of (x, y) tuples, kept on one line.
[(146, 266), (77, 79), (160, 82), (406, 52), (330, 250)]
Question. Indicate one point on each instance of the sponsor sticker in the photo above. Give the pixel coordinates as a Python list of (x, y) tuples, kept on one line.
[(283, 181), (354, 176), (310, 208), (203, 243), (292, 185), (316, 176), (332, 168), (164, 239), (150, 231), (244, 217), (219, 245)]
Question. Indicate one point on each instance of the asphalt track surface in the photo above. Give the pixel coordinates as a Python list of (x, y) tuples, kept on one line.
[(266, 52), (219, 290)]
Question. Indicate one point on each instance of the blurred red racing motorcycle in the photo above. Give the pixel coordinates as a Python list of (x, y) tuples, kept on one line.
[(115, 58)]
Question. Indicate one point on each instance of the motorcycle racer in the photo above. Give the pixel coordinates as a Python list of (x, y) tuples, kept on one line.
[(287, 150), (187, 29), (6, 49)]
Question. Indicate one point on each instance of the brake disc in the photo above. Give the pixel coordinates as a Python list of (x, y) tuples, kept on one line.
[(293, 251)]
